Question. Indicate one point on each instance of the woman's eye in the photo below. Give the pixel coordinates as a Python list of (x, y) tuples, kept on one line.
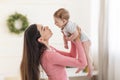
[(44, 29)]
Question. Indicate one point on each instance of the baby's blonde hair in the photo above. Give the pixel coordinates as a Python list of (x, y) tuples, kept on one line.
[(62, 14)]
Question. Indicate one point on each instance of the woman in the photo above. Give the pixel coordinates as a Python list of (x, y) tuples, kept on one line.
[(37, 51)]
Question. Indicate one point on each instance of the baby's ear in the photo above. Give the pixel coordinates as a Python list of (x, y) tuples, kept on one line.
[(64, 20), (40, 39)]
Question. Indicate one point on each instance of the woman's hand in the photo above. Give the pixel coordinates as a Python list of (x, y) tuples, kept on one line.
[(68, 39)]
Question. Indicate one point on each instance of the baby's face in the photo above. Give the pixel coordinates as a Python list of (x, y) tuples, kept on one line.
[(59, 22)]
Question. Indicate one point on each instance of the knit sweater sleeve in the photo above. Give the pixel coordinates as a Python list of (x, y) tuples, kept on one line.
[(58, 59), (72, 52)]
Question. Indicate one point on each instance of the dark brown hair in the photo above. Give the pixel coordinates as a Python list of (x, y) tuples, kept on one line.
[(32, 53)]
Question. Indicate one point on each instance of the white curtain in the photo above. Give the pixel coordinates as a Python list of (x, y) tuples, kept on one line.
[(109, 40), (114, 39), (103, 41)]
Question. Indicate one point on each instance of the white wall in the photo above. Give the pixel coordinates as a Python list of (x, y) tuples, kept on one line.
[(94, 22), (37, 11)]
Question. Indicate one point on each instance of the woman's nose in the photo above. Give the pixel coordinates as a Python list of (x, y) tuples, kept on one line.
[(46, 27)]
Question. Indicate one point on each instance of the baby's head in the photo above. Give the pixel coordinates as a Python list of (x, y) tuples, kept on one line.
[(61, 17)]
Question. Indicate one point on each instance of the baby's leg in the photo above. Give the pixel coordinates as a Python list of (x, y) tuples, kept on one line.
[(86, 45)]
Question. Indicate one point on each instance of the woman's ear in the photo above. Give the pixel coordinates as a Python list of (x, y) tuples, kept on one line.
[(40, 39)]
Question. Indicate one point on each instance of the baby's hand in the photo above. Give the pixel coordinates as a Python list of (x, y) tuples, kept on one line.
[(66, 46)]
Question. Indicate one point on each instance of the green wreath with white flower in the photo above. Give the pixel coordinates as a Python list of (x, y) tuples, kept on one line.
[(11, 21)]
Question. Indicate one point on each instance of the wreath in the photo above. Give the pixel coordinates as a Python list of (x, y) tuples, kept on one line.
[(11, 23)]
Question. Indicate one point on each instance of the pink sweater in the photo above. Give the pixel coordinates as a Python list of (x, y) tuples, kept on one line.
[(55, 61)]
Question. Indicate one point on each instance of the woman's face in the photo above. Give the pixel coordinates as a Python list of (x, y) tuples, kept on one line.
[(45, 32)]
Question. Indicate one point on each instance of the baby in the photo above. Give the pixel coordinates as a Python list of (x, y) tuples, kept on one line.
[(72, 32)]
